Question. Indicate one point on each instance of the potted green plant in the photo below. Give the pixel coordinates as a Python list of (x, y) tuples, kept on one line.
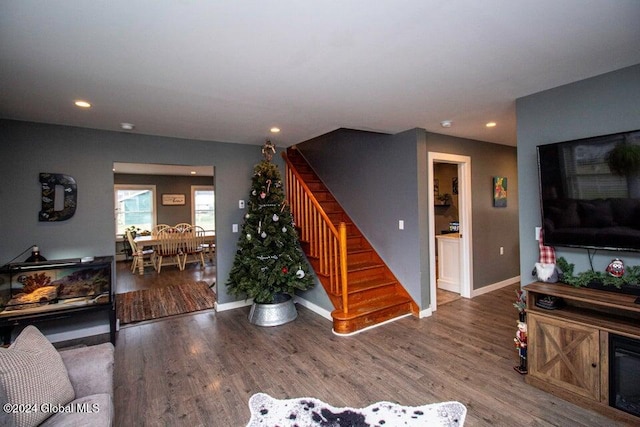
[(269, 265)]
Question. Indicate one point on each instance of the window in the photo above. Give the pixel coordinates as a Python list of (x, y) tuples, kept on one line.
[(135, 206), (203, 206)]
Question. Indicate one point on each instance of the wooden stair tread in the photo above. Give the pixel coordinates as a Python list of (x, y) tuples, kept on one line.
[(370, 283), (370, 307), (363, 265)]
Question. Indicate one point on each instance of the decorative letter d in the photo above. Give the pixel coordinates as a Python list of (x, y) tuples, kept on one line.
[(49, 182)]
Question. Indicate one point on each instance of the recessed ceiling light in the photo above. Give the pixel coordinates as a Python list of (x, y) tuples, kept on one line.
[(82, 104), (491, 124), (127, 126), (446, 123), (275, 130)]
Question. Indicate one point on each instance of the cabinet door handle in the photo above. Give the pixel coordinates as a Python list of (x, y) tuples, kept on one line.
[(594, 365)]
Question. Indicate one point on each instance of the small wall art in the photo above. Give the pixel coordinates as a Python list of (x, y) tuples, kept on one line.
[(499, 192), (173, 199)]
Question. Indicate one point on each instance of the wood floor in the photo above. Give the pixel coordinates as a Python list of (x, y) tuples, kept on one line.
[(126, 281), (200, 369)]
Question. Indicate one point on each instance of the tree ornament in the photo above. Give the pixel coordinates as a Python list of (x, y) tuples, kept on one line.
[(275, 217), (268, 150), (285, 270), (248, 236), (263, 235), (253, 193), (247, 216), (616, 268), (263, 195), (299, 273), (284, 229)]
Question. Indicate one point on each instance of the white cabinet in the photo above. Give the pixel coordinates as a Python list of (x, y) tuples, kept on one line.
[(449, 262)]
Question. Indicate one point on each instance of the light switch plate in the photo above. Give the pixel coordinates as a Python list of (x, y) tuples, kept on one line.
[(241, 204), (234, 228)]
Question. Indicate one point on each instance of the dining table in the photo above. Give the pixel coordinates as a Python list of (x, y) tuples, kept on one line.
[(152, 240)]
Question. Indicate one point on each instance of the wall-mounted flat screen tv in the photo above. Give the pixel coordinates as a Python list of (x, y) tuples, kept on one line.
[(590, 192)]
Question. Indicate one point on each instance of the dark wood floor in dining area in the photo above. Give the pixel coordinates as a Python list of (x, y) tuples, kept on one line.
[(200, 369), (126, 281)]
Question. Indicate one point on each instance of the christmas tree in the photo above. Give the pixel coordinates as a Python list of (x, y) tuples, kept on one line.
[(269, 260)]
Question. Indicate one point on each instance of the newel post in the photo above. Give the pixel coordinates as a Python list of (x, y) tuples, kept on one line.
[(342, 231)]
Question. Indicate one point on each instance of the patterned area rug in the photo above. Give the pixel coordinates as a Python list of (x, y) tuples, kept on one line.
[(267, 411), (151, 304)]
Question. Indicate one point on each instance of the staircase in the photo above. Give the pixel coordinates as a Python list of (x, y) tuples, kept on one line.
[(362, 288)]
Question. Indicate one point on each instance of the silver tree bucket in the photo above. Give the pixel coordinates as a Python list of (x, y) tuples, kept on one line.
[(278, 313)]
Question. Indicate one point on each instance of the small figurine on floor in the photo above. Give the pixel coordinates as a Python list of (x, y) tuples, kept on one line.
[(521, 344)]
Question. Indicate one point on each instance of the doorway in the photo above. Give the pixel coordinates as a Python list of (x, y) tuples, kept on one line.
[(195, 187), (461, 248)]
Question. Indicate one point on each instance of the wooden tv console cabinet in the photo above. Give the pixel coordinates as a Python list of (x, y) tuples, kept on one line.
[(568, 347)]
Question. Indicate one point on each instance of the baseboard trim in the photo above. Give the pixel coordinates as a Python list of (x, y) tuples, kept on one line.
[(368, 328), (232, 305), (427, 312), (313, 307), (494, 286)]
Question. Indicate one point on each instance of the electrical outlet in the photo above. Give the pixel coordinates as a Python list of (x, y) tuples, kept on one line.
[(234, 228), (241, 204), (538, 233)]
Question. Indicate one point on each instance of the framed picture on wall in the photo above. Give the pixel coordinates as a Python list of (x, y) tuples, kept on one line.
[(499, 191), (173, 199)]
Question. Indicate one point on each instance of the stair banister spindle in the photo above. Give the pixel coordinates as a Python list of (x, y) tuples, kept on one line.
[(325, 241)]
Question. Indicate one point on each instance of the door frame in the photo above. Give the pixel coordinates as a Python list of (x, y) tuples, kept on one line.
[(465, 216)]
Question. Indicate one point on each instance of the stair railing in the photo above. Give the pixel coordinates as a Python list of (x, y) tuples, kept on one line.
[(326, 243)]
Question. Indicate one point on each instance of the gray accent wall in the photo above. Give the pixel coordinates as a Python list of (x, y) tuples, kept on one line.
[(380, 179), (88, 155), (373, 176), (601, 105)]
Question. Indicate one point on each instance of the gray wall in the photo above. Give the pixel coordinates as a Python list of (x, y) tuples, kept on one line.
[(167, 184), (88, 155), (381, 178), (600, 105), (373, 177)]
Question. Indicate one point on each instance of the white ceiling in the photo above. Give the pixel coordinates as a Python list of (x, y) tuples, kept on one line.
[(230, 70)]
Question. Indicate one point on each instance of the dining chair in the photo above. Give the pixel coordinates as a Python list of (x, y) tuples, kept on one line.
[(193, 240), (141, 257), (181, 227), (158, 228), (208, 245), (170, 246)]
